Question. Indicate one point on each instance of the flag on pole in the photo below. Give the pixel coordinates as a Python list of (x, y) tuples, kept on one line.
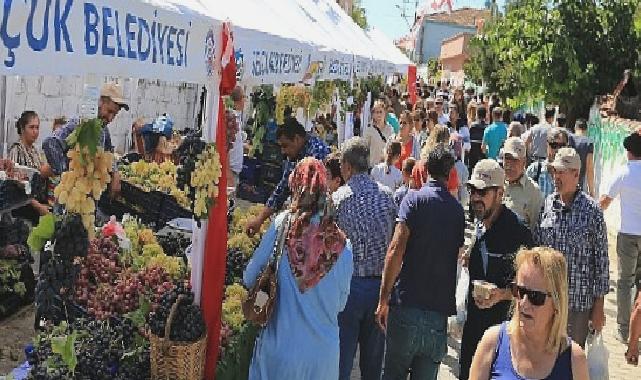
[(438, 5), (214, 263)]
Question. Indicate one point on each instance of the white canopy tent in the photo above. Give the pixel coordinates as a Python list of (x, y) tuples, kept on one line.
[(147, 39), (400, 60)]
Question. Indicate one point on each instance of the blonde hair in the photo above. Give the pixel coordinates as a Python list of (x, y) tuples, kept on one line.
[(552, 265), (439, 135)]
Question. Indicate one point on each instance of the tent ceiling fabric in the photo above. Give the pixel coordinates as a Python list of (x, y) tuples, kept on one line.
[(278, 40)]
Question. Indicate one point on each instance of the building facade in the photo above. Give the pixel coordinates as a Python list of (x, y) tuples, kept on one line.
[(454, 53), (431, 29)]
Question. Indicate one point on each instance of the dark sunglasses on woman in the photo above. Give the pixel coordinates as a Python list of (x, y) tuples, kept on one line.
[(536, 297)]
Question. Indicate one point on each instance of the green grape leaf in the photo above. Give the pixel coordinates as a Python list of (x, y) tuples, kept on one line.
[(139, 316), (42, 232), (65, 347), (87, 134)]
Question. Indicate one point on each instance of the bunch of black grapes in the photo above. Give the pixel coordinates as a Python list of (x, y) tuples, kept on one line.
[(236, 263), (71, 238), (188, 323), (102, 351), (54, 290), (174, 244)]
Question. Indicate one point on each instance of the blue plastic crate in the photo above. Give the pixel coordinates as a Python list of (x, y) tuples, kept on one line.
[(251, 170)]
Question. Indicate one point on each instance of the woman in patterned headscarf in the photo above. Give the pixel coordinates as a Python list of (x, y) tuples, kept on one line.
[(301, 339)]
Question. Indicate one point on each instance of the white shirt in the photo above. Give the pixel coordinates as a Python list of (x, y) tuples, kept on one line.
[(392, 180), (376, 144), (627, 184), (443, 119), (236, 152)]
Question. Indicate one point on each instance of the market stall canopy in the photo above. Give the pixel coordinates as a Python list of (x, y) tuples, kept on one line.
[(393, 53), (152, 39), (286, 40)]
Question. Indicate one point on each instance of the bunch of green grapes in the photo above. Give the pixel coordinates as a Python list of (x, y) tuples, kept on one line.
[(83, 184), (204, 180), (242, 243), (235, 294)]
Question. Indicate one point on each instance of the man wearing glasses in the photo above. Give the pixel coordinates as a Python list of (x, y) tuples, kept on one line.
[(522, 194), (539, 171), (572, 222), (499, 235)]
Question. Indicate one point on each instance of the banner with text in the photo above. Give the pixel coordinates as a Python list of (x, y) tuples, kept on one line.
[(116, 37)]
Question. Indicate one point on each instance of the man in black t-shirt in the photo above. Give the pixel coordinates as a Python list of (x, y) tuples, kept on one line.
[(499, 235), (423, 257), (585, 148), (477, 128)]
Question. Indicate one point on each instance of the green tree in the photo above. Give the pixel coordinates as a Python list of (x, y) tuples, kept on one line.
[(560, 51), (434, 69), (358, 14)]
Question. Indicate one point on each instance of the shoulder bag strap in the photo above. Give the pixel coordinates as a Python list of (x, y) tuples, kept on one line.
[(380, 133), (283, 230)]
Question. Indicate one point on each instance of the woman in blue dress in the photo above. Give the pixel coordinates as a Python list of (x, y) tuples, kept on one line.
[(301, 339)]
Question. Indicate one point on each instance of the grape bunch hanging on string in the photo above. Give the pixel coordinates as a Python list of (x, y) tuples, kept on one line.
[(199, 174), (88, 175)]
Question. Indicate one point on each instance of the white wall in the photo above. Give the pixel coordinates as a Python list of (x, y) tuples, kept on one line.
[(53, 96)]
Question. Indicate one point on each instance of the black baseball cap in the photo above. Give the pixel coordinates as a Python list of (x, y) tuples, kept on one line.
[(632, 144)]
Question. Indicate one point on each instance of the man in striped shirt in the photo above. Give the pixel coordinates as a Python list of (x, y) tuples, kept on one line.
[(572, 223), (366, 212), (539, 171)]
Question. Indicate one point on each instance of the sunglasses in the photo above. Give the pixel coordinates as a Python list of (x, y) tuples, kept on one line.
[(482, 192), (556, 145), (536, 297)]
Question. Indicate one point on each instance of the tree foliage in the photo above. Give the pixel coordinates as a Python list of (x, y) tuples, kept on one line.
[(560, 51), (358, 14)]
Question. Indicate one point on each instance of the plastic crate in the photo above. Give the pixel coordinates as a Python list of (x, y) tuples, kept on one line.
[(251, 170), (272, 153), (148, 201), (115, 207), (271, 173), (170, 210)]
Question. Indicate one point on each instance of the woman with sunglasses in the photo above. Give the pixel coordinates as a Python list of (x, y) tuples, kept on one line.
[(534, 344), (409, 144)]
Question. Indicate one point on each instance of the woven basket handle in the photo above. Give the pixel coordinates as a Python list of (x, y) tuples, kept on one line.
[(172, 315)]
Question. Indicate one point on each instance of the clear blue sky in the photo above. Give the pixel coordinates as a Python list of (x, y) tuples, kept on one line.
[(384, 15)]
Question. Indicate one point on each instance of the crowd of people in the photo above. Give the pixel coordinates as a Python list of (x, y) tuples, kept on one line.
[(393, 202)]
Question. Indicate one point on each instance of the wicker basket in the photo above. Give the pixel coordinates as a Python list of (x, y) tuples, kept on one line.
[(177, 360)]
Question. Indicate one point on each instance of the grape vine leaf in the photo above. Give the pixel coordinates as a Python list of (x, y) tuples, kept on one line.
[(42, 232), (139, 316), (65, 347), (87, 134)]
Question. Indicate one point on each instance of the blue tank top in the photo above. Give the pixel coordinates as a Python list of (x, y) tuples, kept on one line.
[(502, 368)]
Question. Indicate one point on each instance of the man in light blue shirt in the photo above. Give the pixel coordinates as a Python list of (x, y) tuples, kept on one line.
[(495, 134)]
